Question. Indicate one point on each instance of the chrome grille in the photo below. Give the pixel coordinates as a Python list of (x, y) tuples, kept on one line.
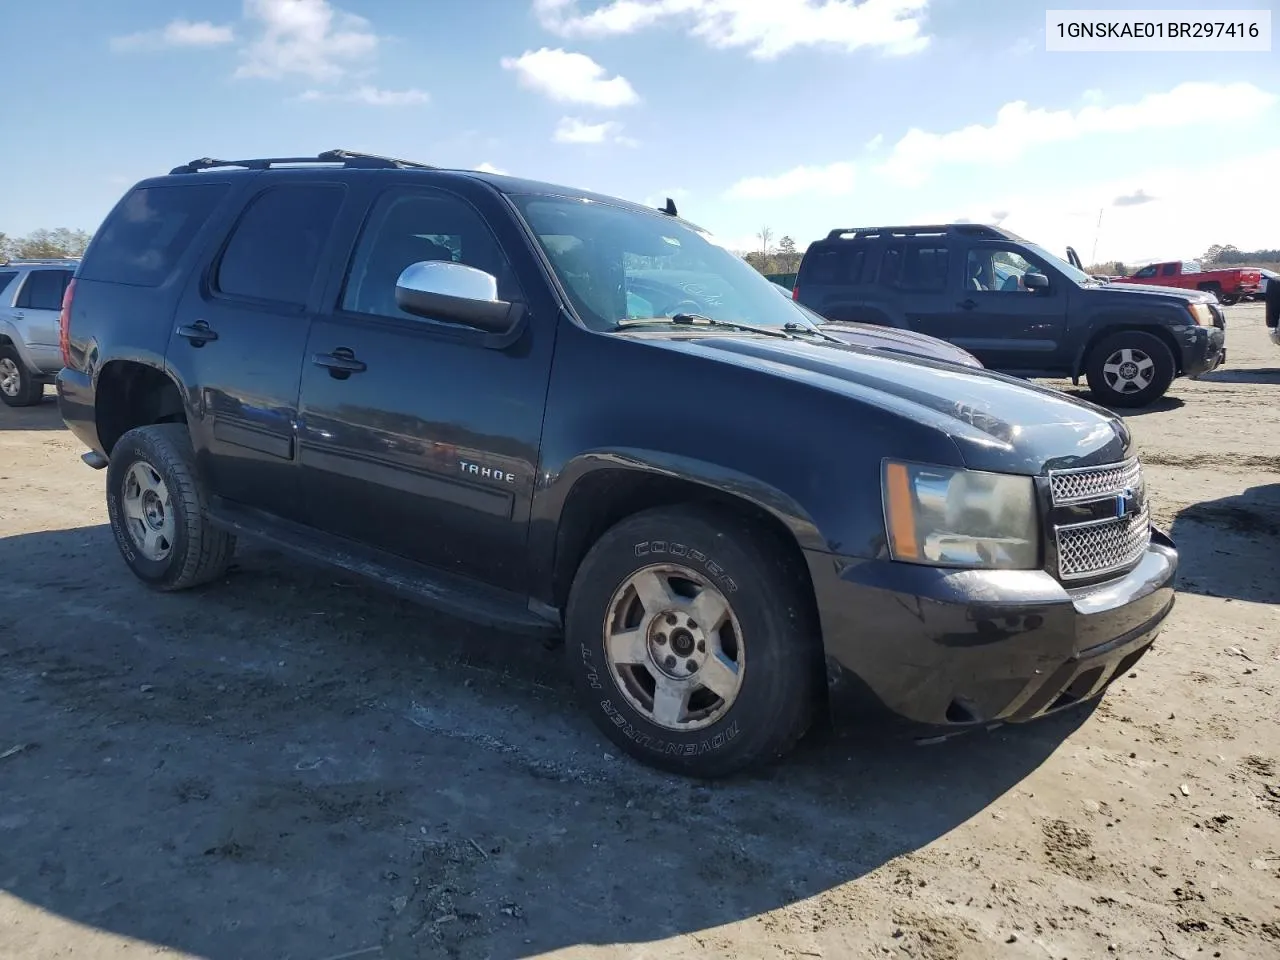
[(1094, 483), (1113, 541), (1102, 546)]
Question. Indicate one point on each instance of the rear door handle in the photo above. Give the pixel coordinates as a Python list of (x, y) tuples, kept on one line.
[(341, 363), (966, 304), (198, 333)]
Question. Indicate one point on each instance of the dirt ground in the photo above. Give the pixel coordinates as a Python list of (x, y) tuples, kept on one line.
[(291, 765)]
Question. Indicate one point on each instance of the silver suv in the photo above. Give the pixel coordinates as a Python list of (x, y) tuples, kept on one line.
[(30, 302)]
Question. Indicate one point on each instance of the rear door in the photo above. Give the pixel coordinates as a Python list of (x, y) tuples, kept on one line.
[(989, 311), (38, 304), (915, 283), (240, 332), (832, 280)]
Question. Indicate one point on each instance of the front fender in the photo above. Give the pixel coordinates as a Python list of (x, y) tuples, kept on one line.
[(553, 502)]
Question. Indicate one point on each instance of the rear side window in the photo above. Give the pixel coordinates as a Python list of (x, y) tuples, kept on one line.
[(843, 265), (275, 249), (6, 278), (1169, 270), (919, 268), (43, 290), (147, 233)]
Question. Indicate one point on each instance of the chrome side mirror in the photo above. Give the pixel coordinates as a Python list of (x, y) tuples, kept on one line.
[(455, 293)]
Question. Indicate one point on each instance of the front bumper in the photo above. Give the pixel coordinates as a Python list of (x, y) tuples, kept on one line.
[(947, 650), (1203, 350)]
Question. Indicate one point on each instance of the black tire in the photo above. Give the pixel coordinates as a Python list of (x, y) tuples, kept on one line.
[(198, 552), (1106, 350), (779, 645), (18, 387), (1215, 288)]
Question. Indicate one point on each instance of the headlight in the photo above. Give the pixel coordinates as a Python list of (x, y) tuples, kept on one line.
[(1202, 314), (960, 518)]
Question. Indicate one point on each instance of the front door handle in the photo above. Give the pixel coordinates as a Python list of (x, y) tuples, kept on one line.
[(198, 333), (341, 363), (966, 304)]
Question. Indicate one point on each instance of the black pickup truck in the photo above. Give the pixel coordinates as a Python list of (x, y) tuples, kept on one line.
[(484, 393), (1015, 306)]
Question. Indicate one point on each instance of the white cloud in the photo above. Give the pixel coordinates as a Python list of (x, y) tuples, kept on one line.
[(1019, 128), (574, 130), (370, 96), (309, 38), (490, 168), (766, 28), (1179, 221), (835, 179), (570, 78), (176, 33)]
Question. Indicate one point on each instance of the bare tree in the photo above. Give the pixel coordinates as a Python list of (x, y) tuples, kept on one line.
[(765, 235)]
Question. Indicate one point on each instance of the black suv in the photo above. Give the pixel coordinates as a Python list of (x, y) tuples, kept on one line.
[(1015, 306), (560, 413)]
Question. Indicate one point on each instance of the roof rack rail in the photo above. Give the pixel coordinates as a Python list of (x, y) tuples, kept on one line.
[(972, 229), (349, 159), (35, 261)]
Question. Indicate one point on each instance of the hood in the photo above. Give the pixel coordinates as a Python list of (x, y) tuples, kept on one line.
[(1146, 289), (998, 423), (893, 340)]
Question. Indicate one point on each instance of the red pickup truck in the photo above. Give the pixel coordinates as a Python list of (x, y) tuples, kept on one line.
[(1229, 286)]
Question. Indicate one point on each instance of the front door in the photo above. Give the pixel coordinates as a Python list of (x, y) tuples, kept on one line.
[(419, 437), (238, 340), (996, 318)]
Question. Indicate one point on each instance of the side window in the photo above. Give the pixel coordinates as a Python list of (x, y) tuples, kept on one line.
[(275, 248), (1146, 272), (148, 231), (916, 267), (1169, 270), (43, 290), (997, 270), (408, 227), (6, 278), (835, 265)]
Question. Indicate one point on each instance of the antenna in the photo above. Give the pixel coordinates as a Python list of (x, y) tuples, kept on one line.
[(670, 208)]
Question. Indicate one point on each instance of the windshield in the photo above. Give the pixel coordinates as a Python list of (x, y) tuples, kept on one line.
[(1072, 273), (620, 264)]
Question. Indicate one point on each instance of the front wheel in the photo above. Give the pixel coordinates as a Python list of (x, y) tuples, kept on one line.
[(1129, 369), (156, 506), (691, 642)]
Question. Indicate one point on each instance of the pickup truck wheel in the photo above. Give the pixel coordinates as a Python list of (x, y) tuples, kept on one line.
[(156, 507), (1129, 369), (18, 388), (689, 642)]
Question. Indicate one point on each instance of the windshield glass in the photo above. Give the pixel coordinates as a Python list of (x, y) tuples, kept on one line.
[(620, 264), (1079, 276)]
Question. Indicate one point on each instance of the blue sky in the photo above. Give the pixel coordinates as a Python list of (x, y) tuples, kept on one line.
[(802, 115)]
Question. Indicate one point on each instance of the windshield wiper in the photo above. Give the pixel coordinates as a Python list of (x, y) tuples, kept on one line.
[(792, 327), (690, 319)]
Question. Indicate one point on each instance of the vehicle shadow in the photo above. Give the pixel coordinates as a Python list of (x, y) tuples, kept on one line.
[(1227, 547), (288, 765), (1243, 375), (40, 416), (1162, 405)]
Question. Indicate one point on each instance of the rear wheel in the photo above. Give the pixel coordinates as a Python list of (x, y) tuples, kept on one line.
[(156, 506), (1129, 369), (691, 643), (18, 388)]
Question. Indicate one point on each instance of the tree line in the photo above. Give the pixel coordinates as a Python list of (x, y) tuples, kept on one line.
[(45, 244)]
